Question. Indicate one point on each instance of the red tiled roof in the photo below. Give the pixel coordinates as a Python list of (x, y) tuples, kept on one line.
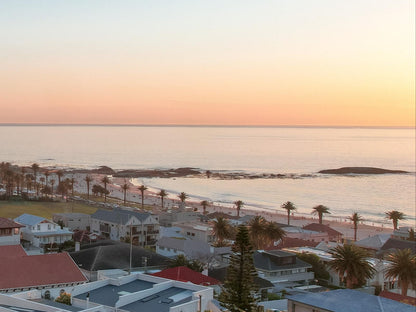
[(11, 251), (398, 297), (322, 228), (17, 270), (7, 224), (184, 274)]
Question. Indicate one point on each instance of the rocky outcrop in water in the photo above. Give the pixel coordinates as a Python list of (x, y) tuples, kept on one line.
[(360, 170)]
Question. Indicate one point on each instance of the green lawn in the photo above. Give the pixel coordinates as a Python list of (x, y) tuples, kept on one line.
[(13, 209)]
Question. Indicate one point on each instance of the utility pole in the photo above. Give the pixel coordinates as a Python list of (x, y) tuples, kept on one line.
[(131, 249)]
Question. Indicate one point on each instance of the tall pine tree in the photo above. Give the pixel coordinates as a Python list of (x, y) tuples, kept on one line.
[(238, 291)]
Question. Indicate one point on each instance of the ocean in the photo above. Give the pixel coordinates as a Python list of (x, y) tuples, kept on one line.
[(298, 152)]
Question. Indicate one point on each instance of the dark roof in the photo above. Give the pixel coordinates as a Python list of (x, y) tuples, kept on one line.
[(268, 261), (7, 224), (185, 274), (115, 255), (398, 297), (347, 300), (119, 216), (394, 243), (221, 273), (322, 228), (20, 270)]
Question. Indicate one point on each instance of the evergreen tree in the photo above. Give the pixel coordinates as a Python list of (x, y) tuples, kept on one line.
[(238, 292)]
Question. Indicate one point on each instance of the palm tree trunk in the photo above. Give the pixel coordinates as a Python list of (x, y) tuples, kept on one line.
[(404, 286), (288, 217), (320, 218)]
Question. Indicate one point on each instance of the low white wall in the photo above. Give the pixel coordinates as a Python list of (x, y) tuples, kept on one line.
[(21, 303), (191, 306), (80, 289)]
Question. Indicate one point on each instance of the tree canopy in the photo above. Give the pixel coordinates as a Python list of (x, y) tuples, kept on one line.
[(238, 291)]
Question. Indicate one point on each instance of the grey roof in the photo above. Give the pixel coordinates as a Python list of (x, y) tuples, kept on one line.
[(280, 305), (193, 249), (266, 261), (119, 216), (373, 242), (115, 255), (53, 303), (28, 219), (394, 243), (161, 301), (347, 300), (108, 295)]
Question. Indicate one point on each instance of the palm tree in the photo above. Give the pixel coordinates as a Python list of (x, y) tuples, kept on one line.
[(403, 266), (204, 205), (320, 210), (59, 173), (395, 216), (355, 218), (142, 188), (351, 263), (125, 187), (105, 180), (88, 179), (46, 173), (162, 194), (221, 230), (257, 227), (72, 181), (52, 182), (274, 232), (289, 206), (182, 197), (35, 168), (263, 233), (238, 204)]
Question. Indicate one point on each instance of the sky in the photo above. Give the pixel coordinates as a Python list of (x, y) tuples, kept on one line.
[(234, 62)]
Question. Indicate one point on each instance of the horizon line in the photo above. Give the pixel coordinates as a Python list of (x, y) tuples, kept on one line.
[(39, 124)]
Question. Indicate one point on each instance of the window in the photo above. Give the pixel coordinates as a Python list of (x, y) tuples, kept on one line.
[(16, 231), (38, 227), (49, 226)]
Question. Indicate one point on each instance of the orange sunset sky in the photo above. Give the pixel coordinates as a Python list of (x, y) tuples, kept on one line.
[(298, 62)]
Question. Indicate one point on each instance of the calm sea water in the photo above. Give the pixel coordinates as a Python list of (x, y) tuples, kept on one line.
[(249, 149)]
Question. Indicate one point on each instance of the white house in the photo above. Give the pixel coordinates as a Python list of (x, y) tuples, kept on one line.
[(40, 231), (119, 224), (9, 232)]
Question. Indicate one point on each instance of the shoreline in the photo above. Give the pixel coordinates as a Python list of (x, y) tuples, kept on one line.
[(153, 200)]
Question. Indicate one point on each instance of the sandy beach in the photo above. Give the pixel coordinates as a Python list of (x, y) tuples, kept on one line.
[(171, 202)]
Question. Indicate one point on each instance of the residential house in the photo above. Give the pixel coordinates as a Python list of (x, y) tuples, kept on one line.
[(192, 249), (373, 243), (197, 230), (40, 231), (170, 218), (135, 292), (333, 235), (105, 255), (73, 221), (344, 300), (119, 224), (21, 272), (402, 232), (281, 266), (378, 278), (305, 234), (392, 244), (9, 232), (141, 292)]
